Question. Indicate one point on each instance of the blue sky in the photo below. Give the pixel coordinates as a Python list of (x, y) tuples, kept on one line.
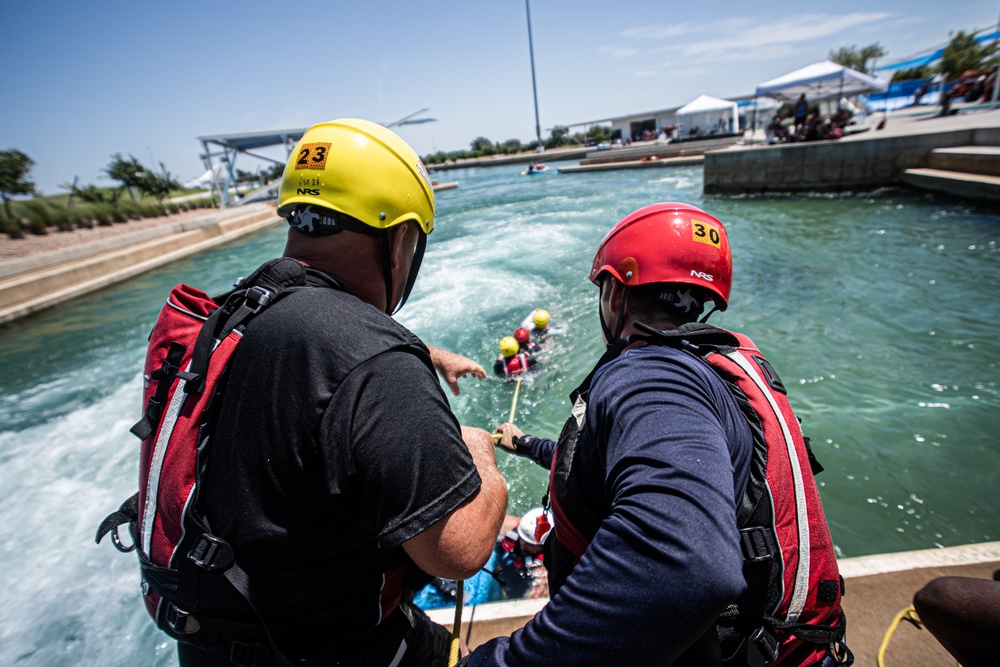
[(82, 81)]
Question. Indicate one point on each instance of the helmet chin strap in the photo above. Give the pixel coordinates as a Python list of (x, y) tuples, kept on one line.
[(612, 339)]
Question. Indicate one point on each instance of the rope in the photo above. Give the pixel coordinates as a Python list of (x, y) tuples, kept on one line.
[(908, 614), (456, 632), (513, 404)]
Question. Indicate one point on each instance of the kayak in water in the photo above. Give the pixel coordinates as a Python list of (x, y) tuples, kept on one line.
[(535, 168)]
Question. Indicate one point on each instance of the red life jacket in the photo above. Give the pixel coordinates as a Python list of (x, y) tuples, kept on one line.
[(184, 567), (791, 612), (517, 364)]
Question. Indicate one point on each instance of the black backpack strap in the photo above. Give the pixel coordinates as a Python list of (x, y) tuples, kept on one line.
[(269, 283)]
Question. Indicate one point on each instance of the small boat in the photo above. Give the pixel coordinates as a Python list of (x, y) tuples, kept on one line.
[(535, 168)]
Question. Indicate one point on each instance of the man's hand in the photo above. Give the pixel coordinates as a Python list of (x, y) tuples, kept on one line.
[(453, 366), (507, 433)]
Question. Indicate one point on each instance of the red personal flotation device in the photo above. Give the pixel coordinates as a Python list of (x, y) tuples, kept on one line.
[(189, 351), (791, 612)]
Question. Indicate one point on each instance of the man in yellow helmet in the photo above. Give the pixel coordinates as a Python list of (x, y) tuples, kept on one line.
[(338, 469), (512, 361)]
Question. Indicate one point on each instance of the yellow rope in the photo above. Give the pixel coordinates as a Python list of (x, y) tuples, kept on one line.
[(456, 632), (909, 614), (513, 404)]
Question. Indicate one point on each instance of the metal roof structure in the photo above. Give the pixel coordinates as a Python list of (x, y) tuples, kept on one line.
[(228, 147)]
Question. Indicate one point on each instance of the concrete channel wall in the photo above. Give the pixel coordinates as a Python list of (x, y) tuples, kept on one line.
[(36, 283), (833, 165)]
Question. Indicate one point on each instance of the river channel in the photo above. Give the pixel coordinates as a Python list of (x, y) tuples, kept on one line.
[(879, 310)]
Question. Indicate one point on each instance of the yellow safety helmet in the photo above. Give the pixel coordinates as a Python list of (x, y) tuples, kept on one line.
[(355, 175), (509, 346), (540, 318), (360, 169)]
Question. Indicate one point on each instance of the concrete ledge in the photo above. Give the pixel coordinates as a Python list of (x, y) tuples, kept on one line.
[(668, 150), (877, 588), (954, 183), (35, 290), (635, 164), (971, 159)]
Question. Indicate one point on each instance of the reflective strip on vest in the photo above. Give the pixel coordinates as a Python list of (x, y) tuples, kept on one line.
[(167, 424), (801, 589)]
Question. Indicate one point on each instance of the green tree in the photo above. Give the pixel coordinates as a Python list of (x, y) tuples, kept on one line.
[(14, 168), (90, 194), (482, 146), (963, 53), (157, 184), (127, 172), (558, 137), (858, 59), (598, 134), (511, 146)]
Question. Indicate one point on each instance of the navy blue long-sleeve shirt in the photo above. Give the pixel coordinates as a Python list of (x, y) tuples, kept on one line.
[(665, 438)]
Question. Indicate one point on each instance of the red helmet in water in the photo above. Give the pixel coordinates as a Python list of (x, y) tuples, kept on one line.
[(668, 243), (522, 335)]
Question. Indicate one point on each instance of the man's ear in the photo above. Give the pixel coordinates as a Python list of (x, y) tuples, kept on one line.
[(398, 244), (616, 292)]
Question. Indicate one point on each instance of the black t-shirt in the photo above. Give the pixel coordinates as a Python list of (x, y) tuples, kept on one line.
[(335, 444)]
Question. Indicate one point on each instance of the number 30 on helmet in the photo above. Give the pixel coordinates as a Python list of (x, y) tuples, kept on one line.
[(668, 243)]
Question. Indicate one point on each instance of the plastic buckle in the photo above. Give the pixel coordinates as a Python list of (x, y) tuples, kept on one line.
[(179, 621), (756, 544), (247, 655), (762, 648), (211, 553), (257, 298)]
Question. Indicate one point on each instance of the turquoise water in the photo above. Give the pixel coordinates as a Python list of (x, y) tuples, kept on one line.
[(879, 311)]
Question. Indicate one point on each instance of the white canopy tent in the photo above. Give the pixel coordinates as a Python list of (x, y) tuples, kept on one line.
[(710, 113), (821, 81)]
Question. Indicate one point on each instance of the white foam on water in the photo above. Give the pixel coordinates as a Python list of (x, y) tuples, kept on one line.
[(67, 599)]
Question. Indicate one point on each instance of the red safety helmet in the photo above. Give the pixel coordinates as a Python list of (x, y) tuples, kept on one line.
[(668, 243), (522, 335)]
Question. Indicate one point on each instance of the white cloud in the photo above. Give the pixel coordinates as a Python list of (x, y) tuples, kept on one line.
[(658, 31), (745, 39), (619, 51), (792, 30)]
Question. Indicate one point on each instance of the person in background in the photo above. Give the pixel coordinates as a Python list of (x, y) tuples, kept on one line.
[(540, 326), (776, 131), (515, 571), (337, 465), (521, 559), (523, 338), (801, 112), (664, 514), (512, 362)]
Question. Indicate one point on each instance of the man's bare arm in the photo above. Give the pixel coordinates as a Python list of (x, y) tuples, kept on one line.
[(458, 545)]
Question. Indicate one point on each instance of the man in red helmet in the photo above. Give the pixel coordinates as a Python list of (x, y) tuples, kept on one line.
[(669, 546), (523, 338)]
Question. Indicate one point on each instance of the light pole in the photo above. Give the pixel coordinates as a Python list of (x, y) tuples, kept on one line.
[(534, 87)]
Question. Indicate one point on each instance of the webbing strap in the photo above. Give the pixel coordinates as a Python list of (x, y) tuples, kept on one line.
[(164, 377)]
